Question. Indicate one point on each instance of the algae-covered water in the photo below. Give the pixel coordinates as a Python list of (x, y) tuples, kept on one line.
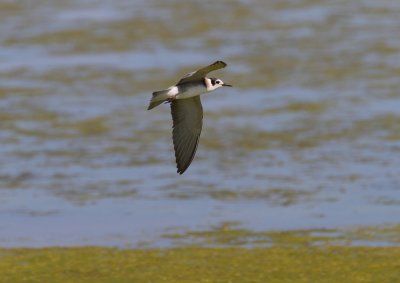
[(307, 140)]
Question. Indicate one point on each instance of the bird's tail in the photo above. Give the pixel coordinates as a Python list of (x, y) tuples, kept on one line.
[(158, 98)]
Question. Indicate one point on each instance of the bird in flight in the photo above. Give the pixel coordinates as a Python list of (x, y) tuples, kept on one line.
[(187, 111)]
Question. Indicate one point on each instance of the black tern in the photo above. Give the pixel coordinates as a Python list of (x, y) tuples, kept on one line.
[(187, 111)]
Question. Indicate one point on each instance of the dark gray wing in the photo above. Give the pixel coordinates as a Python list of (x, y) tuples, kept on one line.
[(187, 115), (201, 73)]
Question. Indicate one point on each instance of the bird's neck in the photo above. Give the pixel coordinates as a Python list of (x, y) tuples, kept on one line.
[(208, 84)]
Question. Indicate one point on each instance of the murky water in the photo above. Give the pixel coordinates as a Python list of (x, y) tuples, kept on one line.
[(308, 138)]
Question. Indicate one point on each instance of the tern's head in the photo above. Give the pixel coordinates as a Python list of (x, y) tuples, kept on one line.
[(214, 83)]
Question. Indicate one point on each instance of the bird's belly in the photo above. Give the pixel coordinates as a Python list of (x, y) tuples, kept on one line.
[(190, 91)]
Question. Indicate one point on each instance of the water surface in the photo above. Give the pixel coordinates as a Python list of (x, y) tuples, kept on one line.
[(308, 138)]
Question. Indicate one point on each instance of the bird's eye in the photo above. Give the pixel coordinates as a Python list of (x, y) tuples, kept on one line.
[(218, 82)]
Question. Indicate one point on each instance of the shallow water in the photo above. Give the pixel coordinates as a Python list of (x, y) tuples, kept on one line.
[(309, 137)]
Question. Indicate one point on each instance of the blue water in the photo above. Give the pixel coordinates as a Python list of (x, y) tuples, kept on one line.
[(83, 162)]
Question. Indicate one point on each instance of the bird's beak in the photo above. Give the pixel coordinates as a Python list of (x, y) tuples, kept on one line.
[(227, 85)]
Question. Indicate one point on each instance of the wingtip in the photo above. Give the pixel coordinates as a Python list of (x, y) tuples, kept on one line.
[(222, 63), (180, 171)]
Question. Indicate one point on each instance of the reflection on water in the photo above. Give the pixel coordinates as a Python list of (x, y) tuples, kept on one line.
[(308, 138)]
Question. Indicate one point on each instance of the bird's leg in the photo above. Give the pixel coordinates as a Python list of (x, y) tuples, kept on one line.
[(170, 99)]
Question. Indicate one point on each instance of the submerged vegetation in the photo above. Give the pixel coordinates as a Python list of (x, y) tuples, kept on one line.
[(230, 234)]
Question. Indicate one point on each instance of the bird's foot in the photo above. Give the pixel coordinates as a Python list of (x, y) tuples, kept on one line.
[(169, 100)]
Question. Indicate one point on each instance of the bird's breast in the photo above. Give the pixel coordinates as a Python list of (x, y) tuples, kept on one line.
[(190, 90)]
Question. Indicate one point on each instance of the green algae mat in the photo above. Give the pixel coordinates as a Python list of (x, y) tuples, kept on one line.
[(275, 264)]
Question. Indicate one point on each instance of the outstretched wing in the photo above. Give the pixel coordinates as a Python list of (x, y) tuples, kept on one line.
[(201, 73), (187, 116)]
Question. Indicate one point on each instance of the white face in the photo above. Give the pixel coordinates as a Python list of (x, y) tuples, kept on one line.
[(216, 83)]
